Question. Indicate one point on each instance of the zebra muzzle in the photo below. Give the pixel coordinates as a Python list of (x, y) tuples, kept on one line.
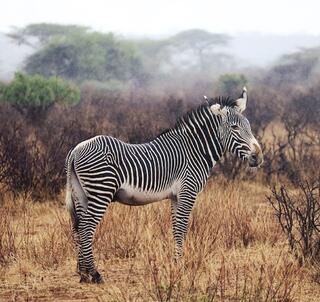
[(255, 159)]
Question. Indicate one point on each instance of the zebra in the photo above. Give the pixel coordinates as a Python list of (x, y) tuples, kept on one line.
[(175, 165)]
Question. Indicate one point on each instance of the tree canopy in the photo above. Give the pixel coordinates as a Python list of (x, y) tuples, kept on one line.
[(297, 67), (43, 32), (34, 95), (83, 56), (78, 53), (231, 83)]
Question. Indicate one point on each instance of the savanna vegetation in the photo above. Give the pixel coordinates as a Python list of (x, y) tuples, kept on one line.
[(254, 236)]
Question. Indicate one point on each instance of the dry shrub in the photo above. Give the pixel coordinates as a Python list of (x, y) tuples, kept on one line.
[(51, 248), (8, 239), (123, 229), (21, 241), (32, 155), (298, 214), (205, 274), (233, 223), (220, 258), (229, 227)]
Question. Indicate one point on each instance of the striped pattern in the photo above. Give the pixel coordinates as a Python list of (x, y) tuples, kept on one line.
[(175, 165)]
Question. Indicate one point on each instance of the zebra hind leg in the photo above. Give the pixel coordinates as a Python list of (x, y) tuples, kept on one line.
[(77, 206), (98, 202)]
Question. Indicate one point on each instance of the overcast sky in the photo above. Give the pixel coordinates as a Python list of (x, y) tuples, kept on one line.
[(163, 17)]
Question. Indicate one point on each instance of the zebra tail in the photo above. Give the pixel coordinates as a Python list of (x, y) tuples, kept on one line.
[(69, 201)]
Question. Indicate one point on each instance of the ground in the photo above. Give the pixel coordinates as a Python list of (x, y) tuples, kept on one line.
[(235, 251)]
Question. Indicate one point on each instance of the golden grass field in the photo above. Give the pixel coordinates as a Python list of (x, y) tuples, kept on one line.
[(235, 251)]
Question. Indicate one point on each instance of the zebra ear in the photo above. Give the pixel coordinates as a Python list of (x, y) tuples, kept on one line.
[(217, 110), (206, 99), (241, 103)]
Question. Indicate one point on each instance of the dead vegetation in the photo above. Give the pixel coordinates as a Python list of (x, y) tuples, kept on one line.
[(238, 248), (298, 214), (235, 251)]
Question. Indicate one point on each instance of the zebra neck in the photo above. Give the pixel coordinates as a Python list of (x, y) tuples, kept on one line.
[(199, 130)]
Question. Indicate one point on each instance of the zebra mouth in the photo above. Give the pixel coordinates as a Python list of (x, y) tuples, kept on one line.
[(253, 165)]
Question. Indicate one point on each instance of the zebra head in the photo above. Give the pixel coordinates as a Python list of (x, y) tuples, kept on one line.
[(235, 131)]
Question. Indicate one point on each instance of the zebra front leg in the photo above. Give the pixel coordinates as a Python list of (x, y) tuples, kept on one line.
[(173, 215), (184, 206)]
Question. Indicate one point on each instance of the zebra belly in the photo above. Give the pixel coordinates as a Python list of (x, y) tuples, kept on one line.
[(134, 197)]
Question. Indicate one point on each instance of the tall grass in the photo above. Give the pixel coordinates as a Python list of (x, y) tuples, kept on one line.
[(234, 251)]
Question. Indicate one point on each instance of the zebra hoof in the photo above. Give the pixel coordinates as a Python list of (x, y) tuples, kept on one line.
[(97, 278), (84, 278)]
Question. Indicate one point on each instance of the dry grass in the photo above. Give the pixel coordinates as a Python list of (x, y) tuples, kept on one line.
[(235, 251)]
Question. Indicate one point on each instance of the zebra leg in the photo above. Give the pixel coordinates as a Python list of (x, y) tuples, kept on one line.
[(97, 206), (184, 206), (77, 208), (173, 216)]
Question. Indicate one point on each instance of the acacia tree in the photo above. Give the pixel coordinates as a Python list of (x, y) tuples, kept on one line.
[(75, 52), (87, 56), (196, 49), (299, 67), (201, 43)]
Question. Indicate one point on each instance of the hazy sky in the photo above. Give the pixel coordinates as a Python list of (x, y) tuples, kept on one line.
[(147, 17)]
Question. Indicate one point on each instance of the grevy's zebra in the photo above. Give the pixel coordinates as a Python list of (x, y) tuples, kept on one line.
[(174, 165)]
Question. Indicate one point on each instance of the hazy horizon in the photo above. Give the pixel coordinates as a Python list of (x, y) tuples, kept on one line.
[(261, 31), (144, 18)]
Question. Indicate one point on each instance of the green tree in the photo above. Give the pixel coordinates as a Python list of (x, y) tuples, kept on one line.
[(202, 43), (34, 95), (195, 48), (87, 56), (231, 83), (77, 53)]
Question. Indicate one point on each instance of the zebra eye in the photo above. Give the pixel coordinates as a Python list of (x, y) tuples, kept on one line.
[(235, 127)]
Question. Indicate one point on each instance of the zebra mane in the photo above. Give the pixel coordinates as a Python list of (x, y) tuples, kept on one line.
[(223, 101), (189, 116)]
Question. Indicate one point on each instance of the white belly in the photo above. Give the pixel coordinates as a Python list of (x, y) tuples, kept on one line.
[(135, 197)]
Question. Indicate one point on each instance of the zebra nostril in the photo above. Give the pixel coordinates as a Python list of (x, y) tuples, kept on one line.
[(255, 160), (254, 157)]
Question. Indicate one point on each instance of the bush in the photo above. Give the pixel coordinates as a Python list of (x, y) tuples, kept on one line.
[(34, 144), (34, 95), (298, 216), (85, 56), (231, 84)]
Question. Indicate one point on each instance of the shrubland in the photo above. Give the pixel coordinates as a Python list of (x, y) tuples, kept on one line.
[(253, 236)]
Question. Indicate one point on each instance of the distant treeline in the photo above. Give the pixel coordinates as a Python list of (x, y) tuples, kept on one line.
[(106, 60), (77, 53)]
